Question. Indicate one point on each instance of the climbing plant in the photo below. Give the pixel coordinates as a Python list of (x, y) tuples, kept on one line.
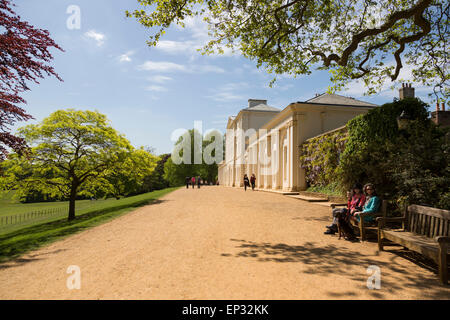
[(366, 151), (320, 157), (407, 166)]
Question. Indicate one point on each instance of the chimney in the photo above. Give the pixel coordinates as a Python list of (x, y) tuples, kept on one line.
[(255, 102), (437, 106), (406, 91)]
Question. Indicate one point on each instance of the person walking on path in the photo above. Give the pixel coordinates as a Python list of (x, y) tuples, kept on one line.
[(253, 181), (188, 182), (246, 182), (193, 182), (198, 182)]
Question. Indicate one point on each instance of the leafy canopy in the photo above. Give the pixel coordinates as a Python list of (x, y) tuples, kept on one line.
[(70, 149), (24, 57), (353, 39)]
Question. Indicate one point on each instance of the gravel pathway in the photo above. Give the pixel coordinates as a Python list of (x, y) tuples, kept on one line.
[(216, 243)]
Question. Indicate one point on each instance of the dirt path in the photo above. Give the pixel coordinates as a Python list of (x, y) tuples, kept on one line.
[(216, 243)]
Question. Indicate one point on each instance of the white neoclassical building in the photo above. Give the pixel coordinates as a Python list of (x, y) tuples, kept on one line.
[(265, 141)]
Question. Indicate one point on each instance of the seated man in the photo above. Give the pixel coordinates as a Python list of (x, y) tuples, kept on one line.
[(371, 207), (356, 200)]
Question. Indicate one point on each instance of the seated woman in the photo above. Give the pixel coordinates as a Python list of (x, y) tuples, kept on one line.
[(371, 206), (356, 200)]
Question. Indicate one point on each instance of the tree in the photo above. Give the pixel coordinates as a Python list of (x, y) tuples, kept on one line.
[(24, 52), (418, 164), (194, 163), (128, 175), (70, 150), (156, 181), (353, 39), (364, 156)]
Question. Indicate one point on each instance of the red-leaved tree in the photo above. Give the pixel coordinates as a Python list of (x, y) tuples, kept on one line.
[(24, 54)]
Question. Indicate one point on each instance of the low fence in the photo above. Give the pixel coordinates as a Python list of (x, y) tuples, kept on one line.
[(30, 216)]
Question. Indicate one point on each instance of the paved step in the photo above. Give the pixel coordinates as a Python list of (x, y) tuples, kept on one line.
[(285, 193), (309, 199)]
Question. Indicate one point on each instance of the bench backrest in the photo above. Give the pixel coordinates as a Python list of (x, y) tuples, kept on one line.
[(383, 208), (427, 221)]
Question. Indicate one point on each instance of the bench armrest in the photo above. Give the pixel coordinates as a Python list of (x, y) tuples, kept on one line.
[(381, 220), (363, 214), (334, 205), (442, 239)]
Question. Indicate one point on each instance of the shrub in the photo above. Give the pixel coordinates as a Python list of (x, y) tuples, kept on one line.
[(320, 157)]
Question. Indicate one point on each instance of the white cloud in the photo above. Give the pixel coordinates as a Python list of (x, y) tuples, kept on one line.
[(189, 47), (165, 66), (225, 96), (208, 68), (198, 30), (197, 27), (126, 57), (162, 66), (156, 88), (175, 47), (98, 37), (159, 79)]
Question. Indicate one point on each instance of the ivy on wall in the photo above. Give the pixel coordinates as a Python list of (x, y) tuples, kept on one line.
[(407, 166), (320, 157)]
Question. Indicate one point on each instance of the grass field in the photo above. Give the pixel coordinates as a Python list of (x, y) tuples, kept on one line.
[(10, 206), (18, 242)]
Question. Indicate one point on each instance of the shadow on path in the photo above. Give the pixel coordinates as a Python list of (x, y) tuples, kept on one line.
[(15, 244), (328, 260)]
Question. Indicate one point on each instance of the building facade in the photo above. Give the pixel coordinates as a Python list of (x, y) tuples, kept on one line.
[(265, 141)]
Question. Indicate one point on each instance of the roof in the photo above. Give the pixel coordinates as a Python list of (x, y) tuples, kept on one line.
[(336, 99), (262, 107)]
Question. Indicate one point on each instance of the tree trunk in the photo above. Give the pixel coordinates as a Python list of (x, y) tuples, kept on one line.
[(73, 196)]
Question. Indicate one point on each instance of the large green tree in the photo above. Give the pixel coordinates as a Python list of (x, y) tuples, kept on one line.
[(353, 39), (70, 149), (127, 176), (156, 180), (198, 157)]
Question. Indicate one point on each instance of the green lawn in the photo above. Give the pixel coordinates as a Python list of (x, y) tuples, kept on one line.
[(10, 206), (16, 243)]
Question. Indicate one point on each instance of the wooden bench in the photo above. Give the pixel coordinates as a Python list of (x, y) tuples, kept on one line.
[(424, 230), (362, 226)]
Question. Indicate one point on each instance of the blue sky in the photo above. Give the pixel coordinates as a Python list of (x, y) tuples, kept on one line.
[(148, 93)]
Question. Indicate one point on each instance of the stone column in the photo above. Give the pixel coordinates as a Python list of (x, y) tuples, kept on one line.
[(299, 181)]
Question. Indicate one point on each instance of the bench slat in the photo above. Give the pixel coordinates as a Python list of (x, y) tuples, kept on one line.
[(428, 227), (429, 211), (418, 225), (413, 221), (441, 227), (420, 244), (411, 217), (436, 228), (423, 219), (446, 228)]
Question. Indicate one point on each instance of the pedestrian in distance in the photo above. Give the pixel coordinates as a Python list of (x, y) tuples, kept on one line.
[(253, 181), (198, 182), (188, 182), (193, 182), (246, 182)]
